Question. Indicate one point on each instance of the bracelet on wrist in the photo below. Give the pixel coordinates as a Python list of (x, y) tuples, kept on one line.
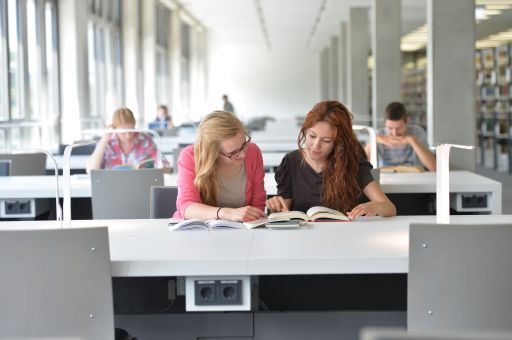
[(218, 213)]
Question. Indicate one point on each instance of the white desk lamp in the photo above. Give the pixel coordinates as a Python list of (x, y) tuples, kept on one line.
[(372, 140), (156, 138), (443, 181), (58, 209), (66, 180)]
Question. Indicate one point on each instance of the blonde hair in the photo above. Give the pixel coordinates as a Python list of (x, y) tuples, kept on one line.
[(122, 116), (215, 128)]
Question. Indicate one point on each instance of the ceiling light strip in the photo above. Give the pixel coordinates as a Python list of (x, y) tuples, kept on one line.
[(263, 25), (316, 24)]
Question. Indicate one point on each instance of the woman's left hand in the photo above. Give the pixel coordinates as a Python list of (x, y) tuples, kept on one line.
[(366, 209)]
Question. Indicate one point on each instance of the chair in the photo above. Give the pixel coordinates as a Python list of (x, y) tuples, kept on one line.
[(401, 334), (162, 202), (460, 278), (26, 164), (119, 194), (5, 167), (56, 284)]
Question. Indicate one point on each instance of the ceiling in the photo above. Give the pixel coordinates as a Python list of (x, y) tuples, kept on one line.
[(300, 24), (289, 23)]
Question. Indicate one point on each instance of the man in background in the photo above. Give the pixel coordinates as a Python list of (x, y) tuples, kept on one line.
[(400, 143), (228, 107)]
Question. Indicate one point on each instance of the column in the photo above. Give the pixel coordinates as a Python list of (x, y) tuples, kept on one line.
[(357, 67), (74, 89), (131, 56), (148, 56), (386, 33), (450, 77), (333, 74), (342, 63)]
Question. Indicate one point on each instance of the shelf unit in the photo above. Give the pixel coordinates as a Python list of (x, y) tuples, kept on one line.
[(413, 87), (494, 105)]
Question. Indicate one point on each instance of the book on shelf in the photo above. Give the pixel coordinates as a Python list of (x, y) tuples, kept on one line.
[(312, 214), (401, 168), (145, 164), (194, 224)]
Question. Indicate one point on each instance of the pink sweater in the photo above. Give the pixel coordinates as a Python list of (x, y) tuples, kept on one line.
[(255, 194)]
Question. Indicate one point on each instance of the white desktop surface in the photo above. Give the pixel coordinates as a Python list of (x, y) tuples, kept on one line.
[(423, 182), (366, 245)]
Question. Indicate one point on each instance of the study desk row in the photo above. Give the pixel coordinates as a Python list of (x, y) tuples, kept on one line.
[(470, 192), (140, 248), (271, 160), (321, 261)]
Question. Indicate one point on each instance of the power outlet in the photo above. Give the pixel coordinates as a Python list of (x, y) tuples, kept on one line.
[(217, 293), (206, 292), (230, 292), (24, 207), (474, 201)]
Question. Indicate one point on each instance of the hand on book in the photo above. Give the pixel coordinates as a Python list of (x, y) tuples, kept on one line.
[(243, 214), (277, 203), (368, 209)]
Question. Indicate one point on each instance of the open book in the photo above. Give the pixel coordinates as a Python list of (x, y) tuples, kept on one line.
[(145, 164), (208, 225), (401, 168), (313, 214)]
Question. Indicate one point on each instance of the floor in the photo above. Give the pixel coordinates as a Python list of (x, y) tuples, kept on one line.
[(506, 180)]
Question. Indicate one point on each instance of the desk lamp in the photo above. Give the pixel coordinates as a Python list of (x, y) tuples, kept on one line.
[(372, 140), (443, 181), (58, 209), (66, 180)]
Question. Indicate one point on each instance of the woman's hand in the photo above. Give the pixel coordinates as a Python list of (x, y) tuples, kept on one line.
[(368, 209), (277, 203), (243, 214)]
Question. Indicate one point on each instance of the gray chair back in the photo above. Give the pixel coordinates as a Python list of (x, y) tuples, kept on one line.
[(123, 194), (162, 202), (401, 334), (26, 164), (55, 284), (460, 278)]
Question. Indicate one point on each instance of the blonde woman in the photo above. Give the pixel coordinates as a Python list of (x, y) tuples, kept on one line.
[(123, 149), (221, 176)]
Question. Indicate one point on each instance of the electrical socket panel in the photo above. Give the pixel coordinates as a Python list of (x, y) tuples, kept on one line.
[(218, 293)]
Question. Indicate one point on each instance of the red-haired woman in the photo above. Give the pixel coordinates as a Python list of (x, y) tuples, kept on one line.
[(329, 168)]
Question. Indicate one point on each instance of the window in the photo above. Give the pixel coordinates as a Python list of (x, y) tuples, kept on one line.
[(29, 99), (104, 62)]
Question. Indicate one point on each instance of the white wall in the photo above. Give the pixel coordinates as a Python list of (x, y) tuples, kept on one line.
[(279, 83)]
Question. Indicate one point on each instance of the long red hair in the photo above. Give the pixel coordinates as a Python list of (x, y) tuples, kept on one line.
[(340, 189)]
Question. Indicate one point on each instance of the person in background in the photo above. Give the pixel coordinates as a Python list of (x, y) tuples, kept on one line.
[(228, 107), (221, 176), (329, 168), (162, 120), (402, 143), (123, 149)]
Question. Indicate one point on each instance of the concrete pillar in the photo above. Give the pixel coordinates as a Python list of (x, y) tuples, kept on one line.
[(324, 77), (131, 55), (149, 57), (333, 62), (74, 89), (450, 78), (342, 63), (177, 109), (357, 67), (386, 33)]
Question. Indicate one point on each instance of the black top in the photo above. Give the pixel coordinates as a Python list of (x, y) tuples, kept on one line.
[(298, 181)]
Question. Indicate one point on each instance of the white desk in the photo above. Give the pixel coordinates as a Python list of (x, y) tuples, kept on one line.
[(394, 183), (366, 245)]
